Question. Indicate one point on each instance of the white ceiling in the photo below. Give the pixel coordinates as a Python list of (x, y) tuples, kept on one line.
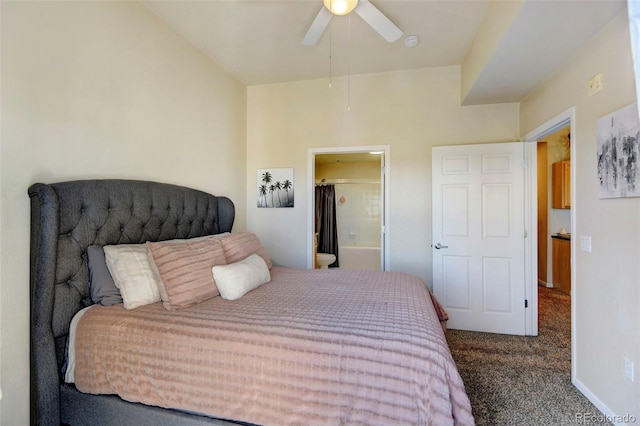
[(260, 41)]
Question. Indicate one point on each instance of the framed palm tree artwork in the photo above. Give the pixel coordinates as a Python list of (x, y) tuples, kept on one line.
[(275, 187)]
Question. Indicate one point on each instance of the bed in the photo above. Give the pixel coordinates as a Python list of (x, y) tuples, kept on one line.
[(305, 347)]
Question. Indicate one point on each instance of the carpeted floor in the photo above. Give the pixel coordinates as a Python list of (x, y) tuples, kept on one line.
[(515, 380)]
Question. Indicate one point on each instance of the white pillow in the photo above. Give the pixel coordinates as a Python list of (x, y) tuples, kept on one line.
[(133, 274), (237, 279)]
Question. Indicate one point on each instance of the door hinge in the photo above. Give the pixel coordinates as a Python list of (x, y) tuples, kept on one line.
[(526, 234), (526, 303), (383, 170)]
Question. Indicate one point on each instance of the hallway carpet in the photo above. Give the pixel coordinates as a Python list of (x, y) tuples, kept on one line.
[(516, 380)]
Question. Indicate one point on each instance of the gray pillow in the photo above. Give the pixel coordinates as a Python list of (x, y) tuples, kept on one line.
[(103, 288)]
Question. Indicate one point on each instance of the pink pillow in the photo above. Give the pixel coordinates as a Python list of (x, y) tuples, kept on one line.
[(239, 246), (184, 267)]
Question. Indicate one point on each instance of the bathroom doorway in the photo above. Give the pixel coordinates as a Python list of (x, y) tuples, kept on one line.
[(357, 179)]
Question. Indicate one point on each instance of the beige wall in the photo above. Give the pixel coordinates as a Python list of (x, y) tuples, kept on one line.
[(558, 145), (410, 111), (93, 90), (355, 170), (607, 280)]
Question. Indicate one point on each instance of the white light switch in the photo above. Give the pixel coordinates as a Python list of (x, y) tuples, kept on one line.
[(628, 369), (594, 85), (585, 243)]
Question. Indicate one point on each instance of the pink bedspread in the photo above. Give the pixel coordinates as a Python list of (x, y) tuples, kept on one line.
[(310, 347)]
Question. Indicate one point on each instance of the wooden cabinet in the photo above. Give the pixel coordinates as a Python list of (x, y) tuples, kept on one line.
[(561, 264), (561, 185)]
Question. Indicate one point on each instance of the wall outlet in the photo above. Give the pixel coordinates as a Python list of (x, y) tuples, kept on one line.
[(628, 369), (594, 85), (585, 243)]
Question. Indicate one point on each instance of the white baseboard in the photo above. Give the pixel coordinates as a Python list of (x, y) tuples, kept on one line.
[(544, 284), (607, 415)]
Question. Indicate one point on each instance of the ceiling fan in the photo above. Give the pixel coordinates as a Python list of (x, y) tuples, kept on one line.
[(367, 11)]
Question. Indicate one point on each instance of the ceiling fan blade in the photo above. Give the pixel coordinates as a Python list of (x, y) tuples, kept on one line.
[(372, 16), (317, 27)]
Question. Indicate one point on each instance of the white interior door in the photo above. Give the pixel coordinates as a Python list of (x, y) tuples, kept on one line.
[(478, 236)]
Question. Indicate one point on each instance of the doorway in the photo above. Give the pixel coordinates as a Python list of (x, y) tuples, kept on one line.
[(562, 120), (360, 178), (554, 210)]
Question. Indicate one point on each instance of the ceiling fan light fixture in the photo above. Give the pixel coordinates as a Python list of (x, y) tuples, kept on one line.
[(340, 7)]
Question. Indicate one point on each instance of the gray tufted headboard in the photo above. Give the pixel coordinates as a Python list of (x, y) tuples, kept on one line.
[(68, 217)]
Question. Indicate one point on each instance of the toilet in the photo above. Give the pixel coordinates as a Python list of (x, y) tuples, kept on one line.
[(325, 259)]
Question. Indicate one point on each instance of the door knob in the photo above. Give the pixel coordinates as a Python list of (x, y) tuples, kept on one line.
[(439, 246)]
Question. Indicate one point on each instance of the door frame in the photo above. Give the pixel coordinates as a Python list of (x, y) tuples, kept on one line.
[(565, 118), (311, 173)]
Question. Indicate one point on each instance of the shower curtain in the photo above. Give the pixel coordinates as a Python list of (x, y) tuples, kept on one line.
[(326, 225)]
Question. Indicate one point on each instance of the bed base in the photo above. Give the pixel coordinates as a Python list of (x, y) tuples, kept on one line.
[(77, 407)]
